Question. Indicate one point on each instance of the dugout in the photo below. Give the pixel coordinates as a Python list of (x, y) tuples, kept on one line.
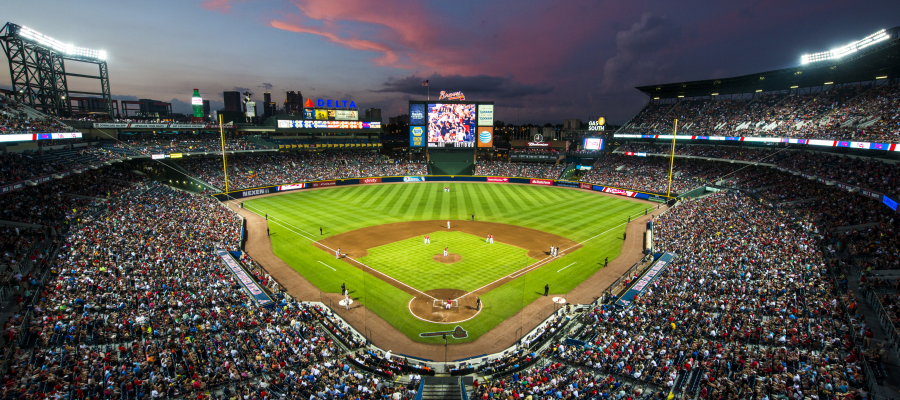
[(451, 161)]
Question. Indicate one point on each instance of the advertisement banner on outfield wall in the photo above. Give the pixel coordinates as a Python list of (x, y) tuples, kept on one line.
[(413, 179), (542, 182), (497, 179), (254, 192), (290, 187), (322, 184), (485, 136), (365, 181), (567, 184), (587, 186), (620, 192)]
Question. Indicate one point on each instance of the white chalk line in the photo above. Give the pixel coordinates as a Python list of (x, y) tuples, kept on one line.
[(327, 266), (567, 266)]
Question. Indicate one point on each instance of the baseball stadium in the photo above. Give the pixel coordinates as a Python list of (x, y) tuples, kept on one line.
[(733, 237)]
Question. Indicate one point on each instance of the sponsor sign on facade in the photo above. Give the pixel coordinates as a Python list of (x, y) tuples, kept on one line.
[(538, 144), (369, 180), (485, 136), (323, 183), (586, 186), (543, 182), (485, 115), (497, 179), (417, 136), (254, 192), (413, 179), (346, 115)]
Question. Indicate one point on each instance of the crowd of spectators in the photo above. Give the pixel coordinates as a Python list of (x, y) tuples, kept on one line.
[(870, 173), (136, 305), (651, 174), (848, 112), (15, 119), (160, 143), (524, 170), (246, 171)]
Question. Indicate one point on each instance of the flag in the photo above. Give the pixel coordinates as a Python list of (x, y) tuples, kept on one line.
[(425, 82)]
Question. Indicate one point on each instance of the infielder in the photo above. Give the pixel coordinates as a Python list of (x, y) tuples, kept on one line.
[(337, 253), (448, 224), (425, 239), (428, 239), (491, 237), (445, 252), (487, 239)]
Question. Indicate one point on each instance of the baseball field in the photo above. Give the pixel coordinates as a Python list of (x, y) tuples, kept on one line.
[(386, 266)]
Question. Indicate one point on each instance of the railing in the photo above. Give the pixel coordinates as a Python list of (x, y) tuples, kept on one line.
[(462, 389), (886, 324), (419, 391)]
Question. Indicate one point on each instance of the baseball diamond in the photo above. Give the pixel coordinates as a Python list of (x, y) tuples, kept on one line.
[(389, 270)]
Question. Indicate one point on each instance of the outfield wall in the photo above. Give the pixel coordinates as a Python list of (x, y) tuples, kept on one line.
[(242, 194)]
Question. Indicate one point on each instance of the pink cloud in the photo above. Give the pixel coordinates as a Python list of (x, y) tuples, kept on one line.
[(409, 36), (221, 6)]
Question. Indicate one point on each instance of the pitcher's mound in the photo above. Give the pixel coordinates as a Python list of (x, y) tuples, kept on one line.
[(450, 259), (431, 307)]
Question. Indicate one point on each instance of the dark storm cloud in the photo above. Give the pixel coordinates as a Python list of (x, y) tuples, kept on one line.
[(484, 86), (638, 58)]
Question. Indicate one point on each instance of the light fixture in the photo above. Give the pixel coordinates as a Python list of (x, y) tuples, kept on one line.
[(758, 90), (656, 98), (714, 94), (829, 83), (881, 77), (794, 87), (853, 47), (680, 96)]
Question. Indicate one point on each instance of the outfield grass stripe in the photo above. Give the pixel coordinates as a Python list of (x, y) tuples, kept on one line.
[(487, 198), (477, 209), (377, 196), (428, 213), (445, 201), (500, 193), (390, 197), (462, 208), (400, 203), (413, 206)]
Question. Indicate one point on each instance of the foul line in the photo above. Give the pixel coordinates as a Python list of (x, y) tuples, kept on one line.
[(273, 219), (327, 266), (567, 266)]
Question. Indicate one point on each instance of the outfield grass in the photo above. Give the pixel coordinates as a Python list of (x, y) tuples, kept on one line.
[(411, 261), (295, 218)]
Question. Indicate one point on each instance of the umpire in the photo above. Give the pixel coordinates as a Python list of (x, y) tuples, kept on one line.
[(546, 289)]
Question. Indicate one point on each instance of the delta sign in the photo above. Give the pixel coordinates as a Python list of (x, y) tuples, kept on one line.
[(321, 103)]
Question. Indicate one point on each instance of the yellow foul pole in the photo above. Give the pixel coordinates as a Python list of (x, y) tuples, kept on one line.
[(672, 160), (222, 134)]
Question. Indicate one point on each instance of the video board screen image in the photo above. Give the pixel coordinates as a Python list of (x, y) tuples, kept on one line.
[(451, 123)]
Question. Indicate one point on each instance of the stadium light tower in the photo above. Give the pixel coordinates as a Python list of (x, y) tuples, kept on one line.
[(847, 49), (38, 71)]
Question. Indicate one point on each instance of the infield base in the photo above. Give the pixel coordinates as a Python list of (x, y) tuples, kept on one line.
[(422, 307)]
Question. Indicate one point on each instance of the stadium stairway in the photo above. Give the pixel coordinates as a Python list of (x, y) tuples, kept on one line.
[(891, 387), (442, 388)]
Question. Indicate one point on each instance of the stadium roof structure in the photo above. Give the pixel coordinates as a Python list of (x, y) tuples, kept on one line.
[(877, 61)]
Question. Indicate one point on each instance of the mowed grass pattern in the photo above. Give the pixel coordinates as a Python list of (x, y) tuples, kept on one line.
[(411, 261), (295, 218)]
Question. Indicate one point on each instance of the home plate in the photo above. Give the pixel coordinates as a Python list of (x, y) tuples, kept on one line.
[(559, 300), (345, 302)]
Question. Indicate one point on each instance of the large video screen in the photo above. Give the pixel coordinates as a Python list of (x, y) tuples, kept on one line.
[(451, 122), (593, 144)]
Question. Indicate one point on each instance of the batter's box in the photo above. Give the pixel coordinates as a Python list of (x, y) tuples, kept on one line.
[(443, 304)]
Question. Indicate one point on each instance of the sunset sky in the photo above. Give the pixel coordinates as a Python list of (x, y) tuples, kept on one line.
[(540, 61)]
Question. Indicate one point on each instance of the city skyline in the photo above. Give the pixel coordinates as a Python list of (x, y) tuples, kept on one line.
[(539, 61)]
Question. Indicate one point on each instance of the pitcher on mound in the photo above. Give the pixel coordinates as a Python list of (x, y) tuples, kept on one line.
[(445, 252)]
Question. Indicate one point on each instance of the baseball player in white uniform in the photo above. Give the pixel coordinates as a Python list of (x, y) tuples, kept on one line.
[(445, 252), (448, 224)]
